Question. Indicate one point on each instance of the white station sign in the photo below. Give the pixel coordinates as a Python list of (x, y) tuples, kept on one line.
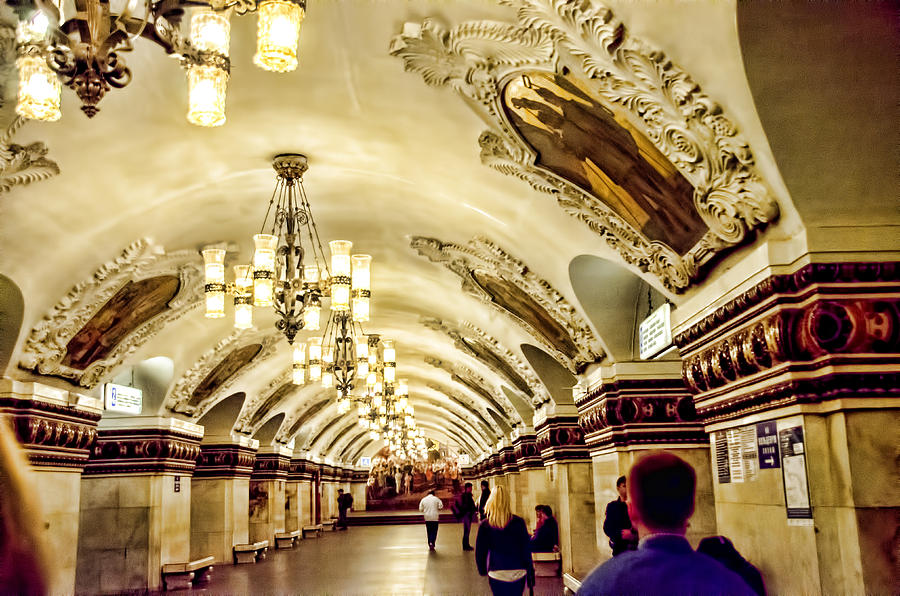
[(365, 462), (655, 332), (464, 459), (122, 398)]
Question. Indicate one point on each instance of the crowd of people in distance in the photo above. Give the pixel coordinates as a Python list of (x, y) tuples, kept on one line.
[(390, 477), (646, 526)]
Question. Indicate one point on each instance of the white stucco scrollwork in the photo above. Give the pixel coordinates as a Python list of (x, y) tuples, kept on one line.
[(45, 348), (688, 127)]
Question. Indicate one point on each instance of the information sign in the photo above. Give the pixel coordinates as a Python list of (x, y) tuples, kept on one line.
[(793, 469), (767, 445), (122, 398), (723, 470), (655, 332), (365, 462)]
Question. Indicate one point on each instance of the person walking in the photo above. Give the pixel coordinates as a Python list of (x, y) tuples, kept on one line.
[(466, 511), (502, 547), (430, 505), (344, 503), (485, 495)]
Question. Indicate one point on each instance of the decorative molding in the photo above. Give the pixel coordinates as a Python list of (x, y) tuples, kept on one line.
[(561, 440), (477, 408), (242, 424), (45, 347), (640, 412), (482, 255), (302, 470), (180, 396), (53, 435), (824, 332), (20, 165), (508, 462), (119, 452), (271, 466), (476, 58), (536, 390), (225, 461), (478, 385), (527, 453)]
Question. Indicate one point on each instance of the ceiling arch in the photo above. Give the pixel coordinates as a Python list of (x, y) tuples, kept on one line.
[(219, 420), (558, 380), (12, 305), (266, 434)]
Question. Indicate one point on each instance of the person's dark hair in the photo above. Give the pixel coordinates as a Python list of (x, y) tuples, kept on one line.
[(484, 484), (620, 481), (467, 485), (340, 490), (721, 549), (547, 510), (431, 492), (662, 490)]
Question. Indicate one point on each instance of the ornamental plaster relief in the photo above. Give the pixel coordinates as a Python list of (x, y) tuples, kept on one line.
[(493, 276), (244, 423), (476, 59), (46, 346), (478, 385), (493, 355), (21, 165), (180, 396), (479, 411)]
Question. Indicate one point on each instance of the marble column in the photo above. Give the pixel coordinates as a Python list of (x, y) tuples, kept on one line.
[(531, 479), (358, 482), (57, 429), (220, 493), (561, 443), (267, 492), (136, 503), (299, 489), (809, 356), (634, 407)]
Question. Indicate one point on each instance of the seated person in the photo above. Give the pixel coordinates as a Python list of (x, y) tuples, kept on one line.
[(546, 532)]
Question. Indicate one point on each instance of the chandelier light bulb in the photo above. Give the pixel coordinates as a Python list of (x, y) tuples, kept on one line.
[(299, 364), (403, 388), (362, 359), (210, 31), (361, 283), (214, 268), (315, 359), (39, 90), (264, 268), (340, 274), (243, 297), (278, 34)]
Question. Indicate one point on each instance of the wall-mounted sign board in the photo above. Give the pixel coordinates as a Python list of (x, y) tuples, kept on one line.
[(655, 332), (122, 398), (365, 462)]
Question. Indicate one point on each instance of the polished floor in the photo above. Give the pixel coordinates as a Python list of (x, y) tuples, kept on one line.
[(365, 560)]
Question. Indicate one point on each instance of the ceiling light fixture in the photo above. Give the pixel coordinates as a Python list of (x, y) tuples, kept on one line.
[(290, 278), (81, 43)]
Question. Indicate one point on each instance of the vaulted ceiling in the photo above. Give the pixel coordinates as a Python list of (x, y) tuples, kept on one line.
[(417, 171)]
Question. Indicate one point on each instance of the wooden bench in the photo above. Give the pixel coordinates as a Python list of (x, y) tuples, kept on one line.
[(571, 585), (547, 564), (250, 553), (177, 576), (329, 523), (314, 530), (286, 539)]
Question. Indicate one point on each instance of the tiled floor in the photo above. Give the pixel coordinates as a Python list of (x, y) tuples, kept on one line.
[(365, 560)]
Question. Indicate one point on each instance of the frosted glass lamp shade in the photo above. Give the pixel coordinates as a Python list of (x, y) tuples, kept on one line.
[(361, 282), (243, 297), (264, 268), (277, 35), (39, 90), (214, 268)]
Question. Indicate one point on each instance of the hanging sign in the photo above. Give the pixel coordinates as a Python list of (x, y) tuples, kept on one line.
[(464, 459), (122, 398), (365, 462), (767, 445), (655, 332), (793, 470)]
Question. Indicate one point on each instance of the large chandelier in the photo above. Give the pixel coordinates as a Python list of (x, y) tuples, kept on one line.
[(80, 42), (288, 277)]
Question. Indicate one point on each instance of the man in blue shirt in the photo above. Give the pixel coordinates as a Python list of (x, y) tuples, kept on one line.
[(661, 501)]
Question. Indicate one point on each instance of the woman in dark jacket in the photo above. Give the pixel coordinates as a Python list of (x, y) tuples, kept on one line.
[(502, 547)]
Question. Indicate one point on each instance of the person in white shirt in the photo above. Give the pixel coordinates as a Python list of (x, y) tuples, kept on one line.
[(431, 507)]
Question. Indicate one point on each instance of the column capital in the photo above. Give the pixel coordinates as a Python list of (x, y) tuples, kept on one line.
[(145, 445), (527, 454), (826, 331), (56, 427), (273, 462), (220, 458), (560, 439)]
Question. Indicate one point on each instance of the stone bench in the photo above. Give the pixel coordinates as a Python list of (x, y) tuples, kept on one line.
[(250, 553), (286, 539), (313, 530), (178, 576), (547, 564), (329, 523), (571, 585)]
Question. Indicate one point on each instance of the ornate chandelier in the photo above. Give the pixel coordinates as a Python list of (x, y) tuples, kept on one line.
[(289, 278), (80, 42)]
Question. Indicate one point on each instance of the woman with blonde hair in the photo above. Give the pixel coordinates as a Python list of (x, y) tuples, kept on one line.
[(502, 548)]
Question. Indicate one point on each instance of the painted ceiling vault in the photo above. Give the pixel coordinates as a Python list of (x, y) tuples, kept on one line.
[(490, 156)]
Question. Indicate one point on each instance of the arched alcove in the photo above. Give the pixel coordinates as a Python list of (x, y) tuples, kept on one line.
[(12, 306), (220, 419), (558, 380), (266, 434)]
